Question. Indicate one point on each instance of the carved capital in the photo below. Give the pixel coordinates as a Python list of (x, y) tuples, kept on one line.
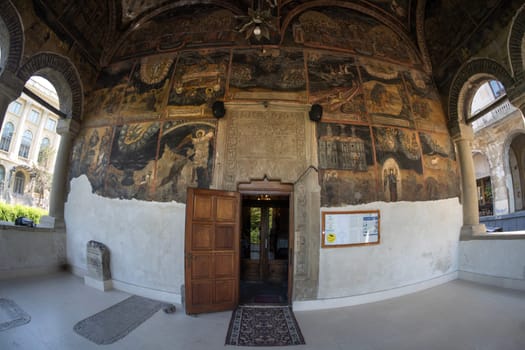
[(68, 127)]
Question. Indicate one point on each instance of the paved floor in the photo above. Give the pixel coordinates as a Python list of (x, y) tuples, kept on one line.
[(456, 315)]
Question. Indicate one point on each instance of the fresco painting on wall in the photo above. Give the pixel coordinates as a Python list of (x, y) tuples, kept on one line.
[(439, 161), (334, 84), (386, 99), (132, 162), (426, 107), (163, 33), (149, 82), (399, 8), (399, 155), (338, 28), (277, 70), (346, 164), (185, 158), (200, 79), (103, 104), (90, 156)]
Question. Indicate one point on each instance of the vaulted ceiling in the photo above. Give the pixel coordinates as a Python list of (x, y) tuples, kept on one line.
[(107, 31)]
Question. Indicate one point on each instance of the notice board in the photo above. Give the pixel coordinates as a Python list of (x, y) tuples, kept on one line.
[(350, 228)]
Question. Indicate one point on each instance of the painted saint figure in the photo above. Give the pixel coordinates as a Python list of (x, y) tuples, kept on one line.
[(390, 183)]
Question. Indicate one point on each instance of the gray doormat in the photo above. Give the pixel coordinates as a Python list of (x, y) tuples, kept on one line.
[(11, 315), (115, 322), (263, 326)]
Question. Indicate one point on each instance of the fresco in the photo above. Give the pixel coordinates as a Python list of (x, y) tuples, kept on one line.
[(90, 156), (163, 33), (440, 167), (199, 79), (425, 104), (345, 147), (344, 30), (334, 84), (104, 102), (398, 8), (282, 71), (343, 187), (385, 96), (185, 159), (131, 166), (148, 84)]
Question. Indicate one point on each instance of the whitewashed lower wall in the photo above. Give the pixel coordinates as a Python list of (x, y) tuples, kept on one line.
[(496, 262), (145, 239), (419, 243), (30, 251)]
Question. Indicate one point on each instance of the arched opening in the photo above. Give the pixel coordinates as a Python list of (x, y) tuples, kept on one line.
[(516, 159), (29, 141), (483, 185)]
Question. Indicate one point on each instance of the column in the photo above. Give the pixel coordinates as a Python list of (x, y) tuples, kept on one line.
[(67, 129), (471, 225)]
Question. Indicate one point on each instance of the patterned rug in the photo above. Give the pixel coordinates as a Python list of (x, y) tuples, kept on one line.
[(11, 315), (115, 322), (263, 326)]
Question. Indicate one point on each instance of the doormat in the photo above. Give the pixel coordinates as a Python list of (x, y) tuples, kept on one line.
[(115, 322), (263, 326), (11, 315)]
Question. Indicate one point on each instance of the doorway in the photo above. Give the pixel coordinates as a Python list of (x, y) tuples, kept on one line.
[(264, 249)]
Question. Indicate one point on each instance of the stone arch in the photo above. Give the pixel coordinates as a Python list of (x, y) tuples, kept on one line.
[(11, 37), (63, 75), (509, 181), (465, 83), (515, 44)]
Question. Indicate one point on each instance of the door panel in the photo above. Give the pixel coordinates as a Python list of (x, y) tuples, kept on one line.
[(211, 250)]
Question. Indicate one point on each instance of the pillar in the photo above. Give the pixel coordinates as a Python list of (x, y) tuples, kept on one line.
[(67, 129), (471, 225)]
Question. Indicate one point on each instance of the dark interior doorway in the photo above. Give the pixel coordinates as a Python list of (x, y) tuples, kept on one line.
[(265, 240)]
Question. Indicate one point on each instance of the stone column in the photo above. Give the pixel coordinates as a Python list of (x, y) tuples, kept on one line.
[(471, 225), (10, 89), (67, 129)]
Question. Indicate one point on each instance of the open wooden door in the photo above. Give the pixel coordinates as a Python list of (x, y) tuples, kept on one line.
[(211, 250)]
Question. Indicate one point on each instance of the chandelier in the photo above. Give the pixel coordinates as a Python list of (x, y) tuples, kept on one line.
[(259, 22)]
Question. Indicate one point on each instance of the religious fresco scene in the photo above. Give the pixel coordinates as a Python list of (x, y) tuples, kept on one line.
[(386, 100), (440, 167), (277, 70), (334, 84), (345, 164), (199, 79), (147, 86), (427, 111), (347, 31)]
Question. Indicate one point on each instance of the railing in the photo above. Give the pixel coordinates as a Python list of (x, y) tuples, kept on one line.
[(494, 115)]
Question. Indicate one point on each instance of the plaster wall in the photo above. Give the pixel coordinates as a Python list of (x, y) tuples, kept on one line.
[(145, 240), (30, 251), (493, 261), (418, 242)]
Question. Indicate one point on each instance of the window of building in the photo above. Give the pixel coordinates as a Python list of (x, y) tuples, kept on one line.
[(15, 107), (51, 124), (484, 196), (7, 136), (43, 153), (25, 145), (34, 117), (19, 184)]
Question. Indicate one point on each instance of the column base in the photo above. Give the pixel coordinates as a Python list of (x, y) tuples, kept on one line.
[(468, 231)]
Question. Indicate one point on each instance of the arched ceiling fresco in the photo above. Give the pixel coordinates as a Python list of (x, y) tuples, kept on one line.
[(110, 31)]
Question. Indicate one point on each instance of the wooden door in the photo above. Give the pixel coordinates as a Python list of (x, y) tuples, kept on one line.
[(211, 250)]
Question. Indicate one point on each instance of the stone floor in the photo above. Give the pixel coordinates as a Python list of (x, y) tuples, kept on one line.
[(454, 316)]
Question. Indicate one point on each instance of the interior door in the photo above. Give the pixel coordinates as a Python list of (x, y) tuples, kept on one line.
[(211, 250)]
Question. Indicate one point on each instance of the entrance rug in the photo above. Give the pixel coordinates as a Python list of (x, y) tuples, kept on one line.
[(11, 315), (263, 326), (115, 322)]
